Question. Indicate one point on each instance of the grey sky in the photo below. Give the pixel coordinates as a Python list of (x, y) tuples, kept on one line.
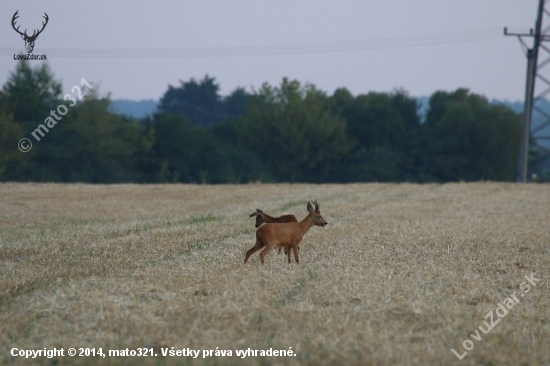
[(377, 45)]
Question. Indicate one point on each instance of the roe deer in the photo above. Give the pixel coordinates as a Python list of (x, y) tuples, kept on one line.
[(263, 218), (271, 236)]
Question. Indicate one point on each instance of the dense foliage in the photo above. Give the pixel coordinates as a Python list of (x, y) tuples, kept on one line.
[(285, 133)]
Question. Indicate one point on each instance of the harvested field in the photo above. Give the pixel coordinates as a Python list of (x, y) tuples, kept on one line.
[(401, 275)]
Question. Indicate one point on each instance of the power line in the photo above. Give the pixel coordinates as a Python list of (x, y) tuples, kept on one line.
[(535, 134), (372, 44)]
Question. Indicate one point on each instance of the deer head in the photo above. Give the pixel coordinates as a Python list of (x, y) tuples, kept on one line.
[(259, 217), (313, 209), (29, 40)]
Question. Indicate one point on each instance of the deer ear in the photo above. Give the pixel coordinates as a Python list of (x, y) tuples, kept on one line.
[(317, 207), (309, 207)]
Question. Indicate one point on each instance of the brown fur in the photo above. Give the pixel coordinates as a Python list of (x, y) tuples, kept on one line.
[(263, 218), (271, 236)]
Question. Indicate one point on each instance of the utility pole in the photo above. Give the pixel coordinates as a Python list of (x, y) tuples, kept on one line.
[(534, 73)]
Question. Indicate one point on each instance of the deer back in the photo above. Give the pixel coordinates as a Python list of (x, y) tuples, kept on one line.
[(263, 218)]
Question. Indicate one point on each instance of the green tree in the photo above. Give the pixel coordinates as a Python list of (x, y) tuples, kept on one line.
[(384, 127), (179, 146), (293, 130), (467, 138), (13, 163), (27, 98), (194, 154), (32, 93), (234, 104), (91, 144), (199, 102), (341, 101)]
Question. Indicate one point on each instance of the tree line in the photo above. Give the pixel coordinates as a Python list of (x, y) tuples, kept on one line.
[(291, 132)]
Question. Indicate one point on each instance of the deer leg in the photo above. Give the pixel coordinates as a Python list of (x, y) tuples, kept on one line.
[(287, 251), (280, 250), (295, 249), (259, 245), (264, 252)]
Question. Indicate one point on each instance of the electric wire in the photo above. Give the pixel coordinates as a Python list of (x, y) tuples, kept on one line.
[(372, 44)]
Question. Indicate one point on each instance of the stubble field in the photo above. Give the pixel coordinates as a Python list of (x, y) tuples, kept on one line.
[(401, 275)]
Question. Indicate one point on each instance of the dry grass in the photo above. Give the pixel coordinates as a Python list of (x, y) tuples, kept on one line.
[(402, 273)]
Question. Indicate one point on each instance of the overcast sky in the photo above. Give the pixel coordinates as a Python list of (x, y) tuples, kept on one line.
[(134, 50)]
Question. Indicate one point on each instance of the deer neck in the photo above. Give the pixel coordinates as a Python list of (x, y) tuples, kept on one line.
[(306, 224)]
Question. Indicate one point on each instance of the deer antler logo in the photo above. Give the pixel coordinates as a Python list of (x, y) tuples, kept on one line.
[(29, 40)]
